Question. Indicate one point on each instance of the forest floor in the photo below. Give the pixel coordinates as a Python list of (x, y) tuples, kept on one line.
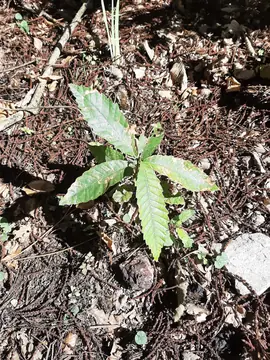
[(70, 280)]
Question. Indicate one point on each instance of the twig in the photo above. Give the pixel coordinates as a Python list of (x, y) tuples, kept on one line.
[(34, 105), (18, 66)]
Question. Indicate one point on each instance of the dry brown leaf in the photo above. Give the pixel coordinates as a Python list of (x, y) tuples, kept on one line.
[(232, 84), (86, 205), (106, 239), (69, 343), (52, 86), (13, 252), (179, 75), (38, 186), (51, 77)]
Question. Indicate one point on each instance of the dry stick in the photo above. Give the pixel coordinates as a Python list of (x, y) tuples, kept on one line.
[(36, 99), (18, 66)]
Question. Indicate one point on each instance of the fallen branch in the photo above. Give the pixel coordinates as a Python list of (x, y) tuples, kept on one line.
[(33, 107)]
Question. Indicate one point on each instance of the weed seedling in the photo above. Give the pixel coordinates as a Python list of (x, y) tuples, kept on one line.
[(131, 157)]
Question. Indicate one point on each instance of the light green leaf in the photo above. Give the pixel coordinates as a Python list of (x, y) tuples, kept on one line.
[(2, 276), (157, 128), (18, 16), (184, 216), (24, 26), (105, 118), (5, 225), (221, 260), (181, 171), (104, 153), (151, 145), (170, 241), (141, 338), (121, 196), (185, 238), (175, 200), (141, 142), (95, 182), (152, 210)]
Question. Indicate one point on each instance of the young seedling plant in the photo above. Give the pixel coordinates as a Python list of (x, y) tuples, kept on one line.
[(131, 156)]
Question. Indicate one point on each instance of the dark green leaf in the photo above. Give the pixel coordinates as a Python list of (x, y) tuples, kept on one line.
[(104, 153)]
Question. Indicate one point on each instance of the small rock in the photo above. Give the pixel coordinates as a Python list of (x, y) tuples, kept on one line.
[(205, 164), (267, 184), (139, 73), (249, 257), (115, 71), (258, 219), (205, 92), (199, 312), (165, 94), (188, 355), (138, 272), (244, 74), (260, 149)]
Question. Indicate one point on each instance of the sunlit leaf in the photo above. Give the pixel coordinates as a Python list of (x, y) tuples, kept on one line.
[(184, 216), (105, 118), (185, 238), (95, 182), (181, 171), (152, 210), (151, 145), (175, 200), (221, 260)]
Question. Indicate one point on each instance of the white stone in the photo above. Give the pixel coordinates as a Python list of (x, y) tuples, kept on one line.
[(249, 258), (188, 355), (139, 72)]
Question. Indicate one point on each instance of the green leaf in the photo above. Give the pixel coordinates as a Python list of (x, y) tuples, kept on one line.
[(202, 253), (181, 171), (24, 26), (2, 276), (175, 200), (181, 218), (18, 16), (185, 238), (151, 145), (221, 260), (104, 117), (141, 338), (152, 210), (104, 153), (5, 225), (157, 128), (170, 241), (141, 142), (27, 131), (122, 196), (95, 182)]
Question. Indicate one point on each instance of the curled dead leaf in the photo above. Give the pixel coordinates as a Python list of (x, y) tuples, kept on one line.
[(38, 186), (232, 84), (69, 343)]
